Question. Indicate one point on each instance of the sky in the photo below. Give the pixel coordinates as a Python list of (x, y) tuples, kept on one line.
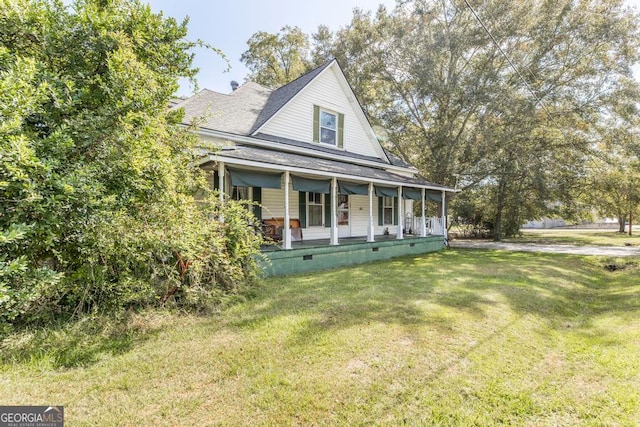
[(228, 24)]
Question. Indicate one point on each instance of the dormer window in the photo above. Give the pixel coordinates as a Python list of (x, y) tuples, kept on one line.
[(328, 127)]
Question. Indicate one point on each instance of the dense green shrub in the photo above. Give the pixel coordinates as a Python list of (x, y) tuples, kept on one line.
[(97, 181)]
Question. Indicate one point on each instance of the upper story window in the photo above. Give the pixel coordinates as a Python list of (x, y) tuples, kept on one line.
[(328, 127)]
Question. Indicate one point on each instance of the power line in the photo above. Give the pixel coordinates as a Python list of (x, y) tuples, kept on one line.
[(513, 66)]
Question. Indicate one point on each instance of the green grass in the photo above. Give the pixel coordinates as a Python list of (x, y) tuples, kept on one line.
[(461, 337), (580, 237)]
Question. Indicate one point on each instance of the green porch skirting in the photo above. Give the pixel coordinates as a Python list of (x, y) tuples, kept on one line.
[(301, 260)]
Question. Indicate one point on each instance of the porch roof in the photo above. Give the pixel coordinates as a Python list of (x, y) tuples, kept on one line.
[(321, 149), (254, 157)]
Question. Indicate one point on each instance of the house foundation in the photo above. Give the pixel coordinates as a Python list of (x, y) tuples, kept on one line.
[(308, 258)]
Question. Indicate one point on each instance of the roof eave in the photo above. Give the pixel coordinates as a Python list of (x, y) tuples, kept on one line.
[(253, 140), (219, 156)]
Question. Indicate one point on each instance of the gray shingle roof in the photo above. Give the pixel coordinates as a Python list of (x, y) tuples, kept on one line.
[(282, 95), (395, 160), (246, 109), (233, 113), (317, 147), (321, 165)]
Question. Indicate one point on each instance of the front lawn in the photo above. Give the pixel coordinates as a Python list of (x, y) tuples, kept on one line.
[(580, 237), (461, 337)]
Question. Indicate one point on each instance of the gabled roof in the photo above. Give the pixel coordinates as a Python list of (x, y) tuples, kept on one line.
[(285, 95), (282, 95), (247, 109)]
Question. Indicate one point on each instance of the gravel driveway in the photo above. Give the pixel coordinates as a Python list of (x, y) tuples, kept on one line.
[(618, 251)]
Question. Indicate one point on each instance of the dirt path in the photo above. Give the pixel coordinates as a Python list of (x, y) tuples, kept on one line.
[(618, 251)]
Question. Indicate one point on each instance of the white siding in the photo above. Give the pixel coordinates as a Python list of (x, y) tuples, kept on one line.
[(273, 206), (312, 233), (393, 229), (379, 229), (273, 203), (295, 120)]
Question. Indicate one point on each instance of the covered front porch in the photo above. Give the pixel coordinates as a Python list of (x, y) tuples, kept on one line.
[(331, 199), (434, 227), (317, 205)]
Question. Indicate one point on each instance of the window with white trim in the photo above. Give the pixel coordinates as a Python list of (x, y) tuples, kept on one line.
[(328, 128), (240, 193), (387, 210), (314, 209)]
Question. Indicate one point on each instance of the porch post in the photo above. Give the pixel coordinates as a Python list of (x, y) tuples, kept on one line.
[(333, 240), (423, 220), (400, 214), (286, 230), (444, 214), (221, 186), (370, 229)]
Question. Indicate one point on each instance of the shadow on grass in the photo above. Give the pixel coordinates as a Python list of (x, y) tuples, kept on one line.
[(560, 289), (345, 295), (77, 343), (609, 238)]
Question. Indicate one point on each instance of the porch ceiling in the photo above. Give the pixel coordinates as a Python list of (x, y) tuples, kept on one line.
[(278, 160)]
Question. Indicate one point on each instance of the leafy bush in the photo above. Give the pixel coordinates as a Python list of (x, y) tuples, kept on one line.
[(97, 178)]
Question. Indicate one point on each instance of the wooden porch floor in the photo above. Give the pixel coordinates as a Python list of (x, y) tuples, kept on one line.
[(318, 243)]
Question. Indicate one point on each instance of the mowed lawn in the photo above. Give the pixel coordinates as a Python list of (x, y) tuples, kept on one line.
[(579, 237), (461, 337)]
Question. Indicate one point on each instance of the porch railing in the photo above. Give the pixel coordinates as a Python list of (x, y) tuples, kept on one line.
[(434, 225)]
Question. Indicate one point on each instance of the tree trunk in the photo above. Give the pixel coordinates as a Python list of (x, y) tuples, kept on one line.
[(497, 225), (621, 223), (630, 223)]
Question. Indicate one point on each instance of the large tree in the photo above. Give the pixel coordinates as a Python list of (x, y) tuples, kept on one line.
[(499, 93), (492, 94), (613, 182), (276, 59), (96, 178)]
